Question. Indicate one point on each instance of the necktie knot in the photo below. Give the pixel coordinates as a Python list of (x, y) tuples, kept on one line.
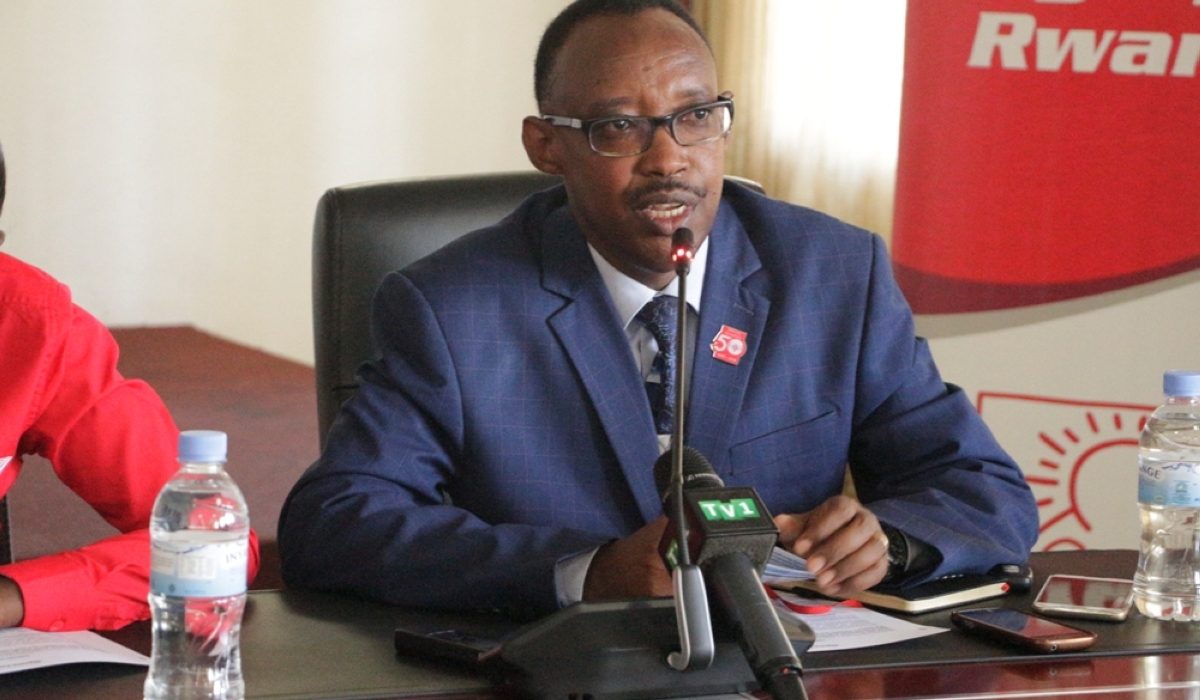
[(659, 317)]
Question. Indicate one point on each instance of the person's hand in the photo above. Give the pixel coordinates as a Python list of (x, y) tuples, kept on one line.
[(12, 604), (842, 541), (630, 567)]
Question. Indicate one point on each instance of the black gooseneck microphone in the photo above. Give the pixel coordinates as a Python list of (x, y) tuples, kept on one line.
[(696, 645), (682, 252), (727, 533)]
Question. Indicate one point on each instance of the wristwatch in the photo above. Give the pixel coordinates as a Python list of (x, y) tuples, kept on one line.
[(897, 553)]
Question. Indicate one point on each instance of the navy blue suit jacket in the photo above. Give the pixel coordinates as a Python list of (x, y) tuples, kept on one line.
[(506, 425)]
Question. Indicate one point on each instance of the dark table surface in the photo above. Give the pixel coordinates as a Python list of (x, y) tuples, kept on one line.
[(1136, 635), (303, 646)]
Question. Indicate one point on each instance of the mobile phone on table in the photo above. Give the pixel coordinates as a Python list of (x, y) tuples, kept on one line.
[(1085, 597), (446, 644), (1022, 629)]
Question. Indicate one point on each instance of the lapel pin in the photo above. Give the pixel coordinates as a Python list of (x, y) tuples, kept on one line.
[(729, 345)]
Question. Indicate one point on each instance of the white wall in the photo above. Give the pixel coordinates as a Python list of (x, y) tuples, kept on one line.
[(165, 156)]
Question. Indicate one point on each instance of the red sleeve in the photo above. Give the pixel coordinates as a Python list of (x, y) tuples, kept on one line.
[(113, 442), (102, 586)]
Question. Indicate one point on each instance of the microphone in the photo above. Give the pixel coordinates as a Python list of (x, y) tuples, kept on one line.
[(730, 537), (682, 252), (696, 646), (726, 532)]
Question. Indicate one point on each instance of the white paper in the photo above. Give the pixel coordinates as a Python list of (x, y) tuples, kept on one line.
[(852, 626), (23, 649)]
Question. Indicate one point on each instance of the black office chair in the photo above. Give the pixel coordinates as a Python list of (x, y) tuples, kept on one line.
[(6, 553), (362, 232)]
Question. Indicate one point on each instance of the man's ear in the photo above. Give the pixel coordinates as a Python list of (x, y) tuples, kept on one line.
[(541, 145)]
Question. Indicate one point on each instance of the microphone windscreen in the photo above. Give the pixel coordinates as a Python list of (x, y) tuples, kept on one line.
[(683, 244), (697, 471), (683, 237)]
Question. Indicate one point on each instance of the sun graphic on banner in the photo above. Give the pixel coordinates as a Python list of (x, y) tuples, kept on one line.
[(1060, 481), (1080, 460)]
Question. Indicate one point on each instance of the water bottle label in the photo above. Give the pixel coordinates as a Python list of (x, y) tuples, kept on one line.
[(1169, 484), (187, 569)]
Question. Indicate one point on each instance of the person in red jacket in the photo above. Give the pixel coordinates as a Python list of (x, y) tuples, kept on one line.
[(110, 439)]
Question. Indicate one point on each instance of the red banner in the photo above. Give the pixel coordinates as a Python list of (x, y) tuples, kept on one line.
[(1048, 150)]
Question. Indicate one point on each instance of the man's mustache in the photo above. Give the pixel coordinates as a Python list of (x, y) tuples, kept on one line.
[(668, 187)]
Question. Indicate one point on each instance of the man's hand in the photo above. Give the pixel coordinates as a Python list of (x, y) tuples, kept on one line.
[(12, 604), (842, 541), (629, 567)]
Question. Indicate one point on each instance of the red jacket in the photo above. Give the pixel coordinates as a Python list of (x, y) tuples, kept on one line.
[(111, 440)]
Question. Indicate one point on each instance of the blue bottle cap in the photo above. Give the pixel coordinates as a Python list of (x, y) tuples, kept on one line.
[(202, 446), (1181, 382)]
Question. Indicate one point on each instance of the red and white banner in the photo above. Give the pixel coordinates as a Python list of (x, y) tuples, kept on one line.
[(1049, 149), (1047, 230)]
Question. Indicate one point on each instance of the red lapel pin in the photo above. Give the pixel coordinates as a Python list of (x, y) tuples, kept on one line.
[(729, 345)]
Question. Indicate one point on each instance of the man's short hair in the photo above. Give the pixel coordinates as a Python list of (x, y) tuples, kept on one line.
[(560, 28)]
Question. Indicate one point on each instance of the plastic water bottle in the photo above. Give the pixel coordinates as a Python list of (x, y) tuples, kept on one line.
[(199, 546), (1167, 583)]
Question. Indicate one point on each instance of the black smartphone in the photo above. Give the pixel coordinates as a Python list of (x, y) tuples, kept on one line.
[(1022, 629), (1085, 596), (446, 645)]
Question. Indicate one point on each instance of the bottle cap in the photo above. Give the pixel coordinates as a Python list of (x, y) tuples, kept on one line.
[(202, 446), (1181, 382)]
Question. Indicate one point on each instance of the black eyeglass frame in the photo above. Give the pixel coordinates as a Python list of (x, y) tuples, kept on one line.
[(585, 125)]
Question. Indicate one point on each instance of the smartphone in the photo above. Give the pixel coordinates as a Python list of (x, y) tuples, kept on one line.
[(446, 645), (1085, 596), (1021, 629)]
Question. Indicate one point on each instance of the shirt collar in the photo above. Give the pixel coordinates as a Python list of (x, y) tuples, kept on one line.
[(629, 295)]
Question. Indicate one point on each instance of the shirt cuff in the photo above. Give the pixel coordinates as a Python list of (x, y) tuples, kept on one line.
[(60, 595), (569, 574)]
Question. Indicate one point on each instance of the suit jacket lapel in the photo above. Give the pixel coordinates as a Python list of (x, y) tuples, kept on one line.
[(735, 295), (593, 339)]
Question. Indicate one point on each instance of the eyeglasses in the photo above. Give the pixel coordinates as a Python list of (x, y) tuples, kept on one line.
[(629, 136)]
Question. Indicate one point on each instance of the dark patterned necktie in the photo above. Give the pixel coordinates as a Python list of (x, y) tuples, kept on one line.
[(659, 317)]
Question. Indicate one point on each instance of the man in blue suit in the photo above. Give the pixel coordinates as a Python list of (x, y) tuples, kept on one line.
[(500, 453)]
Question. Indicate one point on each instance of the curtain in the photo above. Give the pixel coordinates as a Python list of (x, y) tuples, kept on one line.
[(817, 93), (737, 30)]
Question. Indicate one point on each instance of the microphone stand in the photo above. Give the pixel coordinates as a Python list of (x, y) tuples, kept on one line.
[(692, 615)]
